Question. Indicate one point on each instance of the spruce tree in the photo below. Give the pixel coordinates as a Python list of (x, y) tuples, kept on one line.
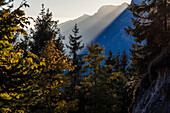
[(110, 60), (52, 80), (102, 92), (151, 37), (59, 43), (150, 32), (123, 62), (75, 45), (45, 28), (117, 65)]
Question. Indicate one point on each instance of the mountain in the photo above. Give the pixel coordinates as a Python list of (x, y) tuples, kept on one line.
[(92, 26), (114, 36)]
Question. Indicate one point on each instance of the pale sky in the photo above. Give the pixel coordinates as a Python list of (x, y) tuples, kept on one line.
[(64, 10)]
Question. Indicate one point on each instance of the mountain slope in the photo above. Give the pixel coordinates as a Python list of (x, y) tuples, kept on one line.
[(92, 26), (114, 37)]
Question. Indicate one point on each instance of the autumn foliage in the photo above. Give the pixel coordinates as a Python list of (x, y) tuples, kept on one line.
[(40, 81)]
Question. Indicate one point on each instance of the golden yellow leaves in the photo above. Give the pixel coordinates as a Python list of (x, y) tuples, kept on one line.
[(63, 106), (15, 67), (6, 110), (6, 14), (20, 111), (5, 45), (5, 96), (53, 58), (9, 96), (12, 22), (25, 72), (5, 37), (42, 64), (56, 64), (10, 58)]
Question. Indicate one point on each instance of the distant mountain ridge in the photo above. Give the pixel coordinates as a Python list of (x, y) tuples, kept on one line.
[(114, 36), (105, 27), (92, 26)]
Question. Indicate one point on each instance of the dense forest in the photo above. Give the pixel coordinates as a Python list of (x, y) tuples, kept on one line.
[(38, 76)]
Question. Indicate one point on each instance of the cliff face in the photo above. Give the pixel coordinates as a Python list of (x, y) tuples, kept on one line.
[(155, 98)]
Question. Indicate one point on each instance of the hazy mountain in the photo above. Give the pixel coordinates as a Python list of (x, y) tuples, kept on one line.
[(92, 26), (114, 36), (105, 27)]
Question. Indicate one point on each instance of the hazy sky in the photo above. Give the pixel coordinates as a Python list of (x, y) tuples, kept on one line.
[(68, 9)]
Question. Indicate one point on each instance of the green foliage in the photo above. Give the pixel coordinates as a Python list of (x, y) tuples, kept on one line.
[(119, 62), (59, 43), (124, 62), (45, 28), (151, 36), (75, 45), (38, 83), (150, 32), (117, 65), (101, 91), (110, 60)]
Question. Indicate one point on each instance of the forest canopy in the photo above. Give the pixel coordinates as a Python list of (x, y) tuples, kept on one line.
[(38, 76)]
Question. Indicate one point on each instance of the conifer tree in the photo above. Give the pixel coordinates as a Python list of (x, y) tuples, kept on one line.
[(45, 28), (101, 91), (52, 79), (59, 43), (110, 60), (18, 74), (151, 36), (117, 58), (75, 45), (75, 42), (95, 74), (150, 32), (123, 62)]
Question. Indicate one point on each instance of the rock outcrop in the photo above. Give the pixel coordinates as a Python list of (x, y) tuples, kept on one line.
[(155, 98)]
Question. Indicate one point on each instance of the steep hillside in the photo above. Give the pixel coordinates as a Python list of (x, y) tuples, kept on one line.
[(92, 26), (114, 36)]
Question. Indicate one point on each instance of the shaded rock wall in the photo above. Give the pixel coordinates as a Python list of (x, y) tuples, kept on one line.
[(155, 98)]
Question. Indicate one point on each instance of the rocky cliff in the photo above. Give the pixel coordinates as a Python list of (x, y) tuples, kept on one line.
[(153, 95)]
